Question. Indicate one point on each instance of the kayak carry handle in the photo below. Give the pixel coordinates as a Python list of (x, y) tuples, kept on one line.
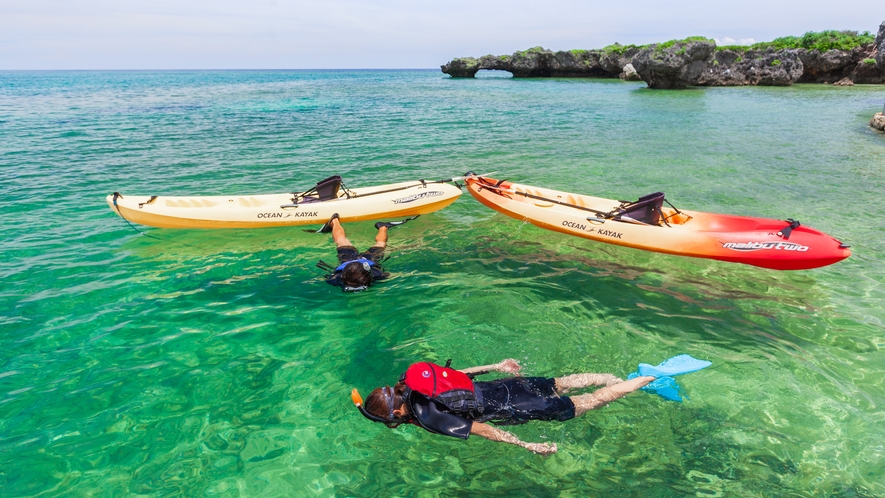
[(787, 230)]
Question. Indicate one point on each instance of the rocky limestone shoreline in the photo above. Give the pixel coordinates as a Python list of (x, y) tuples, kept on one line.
[(691, 62), (541, 63)]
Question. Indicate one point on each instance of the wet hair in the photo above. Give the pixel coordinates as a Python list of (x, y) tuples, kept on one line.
[(355, 275), (378, 403)]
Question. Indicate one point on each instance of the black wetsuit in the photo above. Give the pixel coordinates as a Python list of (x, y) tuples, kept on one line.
[(514, 400), (349, 253)]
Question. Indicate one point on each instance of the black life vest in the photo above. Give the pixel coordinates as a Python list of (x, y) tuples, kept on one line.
[(446, 386)]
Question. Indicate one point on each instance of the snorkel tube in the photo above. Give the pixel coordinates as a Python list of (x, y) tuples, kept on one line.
[(391, 422)]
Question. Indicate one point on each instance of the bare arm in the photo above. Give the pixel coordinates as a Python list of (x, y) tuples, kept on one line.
[(505, 366), (494, 434)]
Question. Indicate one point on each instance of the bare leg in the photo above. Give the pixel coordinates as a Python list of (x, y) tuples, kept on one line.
[(577, 381), (338, 234), (381, 238), (602, 397)]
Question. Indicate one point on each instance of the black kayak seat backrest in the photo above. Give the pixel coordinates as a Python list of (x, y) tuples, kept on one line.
[(328, 189), (646, 209), (325, 190)]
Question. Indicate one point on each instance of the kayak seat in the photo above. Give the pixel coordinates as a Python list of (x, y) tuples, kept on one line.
[(647, 209), (324, 190), (328, 189)]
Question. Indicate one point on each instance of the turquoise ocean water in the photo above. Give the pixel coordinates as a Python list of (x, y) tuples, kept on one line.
[(217, 363)]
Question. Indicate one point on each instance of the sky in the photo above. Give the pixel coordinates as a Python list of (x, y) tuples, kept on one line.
[(349, 34)]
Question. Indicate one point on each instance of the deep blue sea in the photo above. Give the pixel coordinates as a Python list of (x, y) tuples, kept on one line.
[(218, 362)]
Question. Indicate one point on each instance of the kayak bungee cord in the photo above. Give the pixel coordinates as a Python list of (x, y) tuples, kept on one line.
[(421, 183), (489, 186), (601, 215), (349, 194)]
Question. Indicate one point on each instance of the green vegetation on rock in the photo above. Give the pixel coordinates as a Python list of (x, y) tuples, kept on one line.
[(619, 49), (821, 41), (776, 62), (668, 44), (869, 61), (531, 51)]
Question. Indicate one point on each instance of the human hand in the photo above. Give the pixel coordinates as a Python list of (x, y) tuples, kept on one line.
[(509, 366), (541, 448)]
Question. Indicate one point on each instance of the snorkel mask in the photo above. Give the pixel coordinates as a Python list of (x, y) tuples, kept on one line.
[(367, 267), (390, 421)]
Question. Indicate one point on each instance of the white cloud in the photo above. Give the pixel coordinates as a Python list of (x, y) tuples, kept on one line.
[(731, 41)]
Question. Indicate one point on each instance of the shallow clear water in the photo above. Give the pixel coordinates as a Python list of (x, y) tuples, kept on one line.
[(218, 363)]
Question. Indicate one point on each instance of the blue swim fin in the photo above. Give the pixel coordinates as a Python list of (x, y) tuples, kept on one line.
[(664, 384), (676, 365), (665, 387)]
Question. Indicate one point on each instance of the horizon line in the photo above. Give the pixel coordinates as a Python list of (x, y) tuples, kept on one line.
[(237, 69)]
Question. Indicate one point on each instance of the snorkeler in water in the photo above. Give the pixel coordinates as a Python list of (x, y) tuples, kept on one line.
[(446, 401), (357, 271)]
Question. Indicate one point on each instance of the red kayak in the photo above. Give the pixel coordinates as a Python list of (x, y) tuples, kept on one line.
[(649, 225)]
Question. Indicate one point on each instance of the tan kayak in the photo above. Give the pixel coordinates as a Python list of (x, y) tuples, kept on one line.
[(314, 206)]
